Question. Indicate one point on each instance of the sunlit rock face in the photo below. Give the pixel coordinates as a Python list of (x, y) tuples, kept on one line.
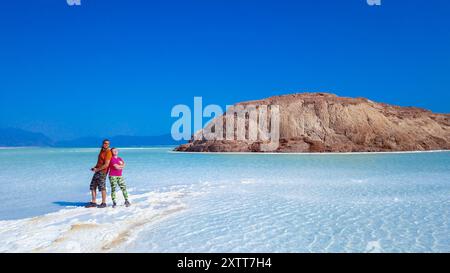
[(322, 122)]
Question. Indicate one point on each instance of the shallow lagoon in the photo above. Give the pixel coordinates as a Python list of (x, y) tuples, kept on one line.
[(234, 202)]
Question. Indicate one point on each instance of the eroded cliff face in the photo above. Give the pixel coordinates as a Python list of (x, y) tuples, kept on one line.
[(322, 122)]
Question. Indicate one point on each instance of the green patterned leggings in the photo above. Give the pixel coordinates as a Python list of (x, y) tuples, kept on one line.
[(119, 180)]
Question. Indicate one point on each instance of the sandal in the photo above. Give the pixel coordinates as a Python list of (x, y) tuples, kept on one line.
[(91, 205)]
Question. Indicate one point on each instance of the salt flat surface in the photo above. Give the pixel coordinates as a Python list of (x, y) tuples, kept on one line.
[(90, 230), (228, 203)]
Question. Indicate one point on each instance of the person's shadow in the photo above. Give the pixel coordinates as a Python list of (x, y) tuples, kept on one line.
[(70, 204)]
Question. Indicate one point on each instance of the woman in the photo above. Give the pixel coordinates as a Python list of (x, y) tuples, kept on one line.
[(116, 167)]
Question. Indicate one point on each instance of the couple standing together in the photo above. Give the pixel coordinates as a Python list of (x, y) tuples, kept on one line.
[(108, 162)]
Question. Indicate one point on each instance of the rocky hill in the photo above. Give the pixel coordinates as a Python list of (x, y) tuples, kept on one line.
[(322, 122)]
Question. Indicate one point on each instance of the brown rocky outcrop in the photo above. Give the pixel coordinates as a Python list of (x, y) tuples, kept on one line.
[(322, 122)]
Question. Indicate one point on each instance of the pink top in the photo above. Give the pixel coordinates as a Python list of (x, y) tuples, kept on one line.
[(113, 171)]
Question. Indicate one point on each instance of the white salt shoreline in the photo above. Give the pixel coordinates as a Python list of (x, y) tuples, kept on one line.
[(79, 229), (309, 153), (237, 153)]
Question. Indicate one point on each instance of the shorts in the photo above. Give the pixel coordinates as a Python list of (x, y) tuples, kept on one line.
[(98, 181)]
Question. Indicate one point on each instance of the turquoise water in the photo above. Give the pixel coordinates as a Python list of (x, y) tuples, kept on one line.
[(251, 202)]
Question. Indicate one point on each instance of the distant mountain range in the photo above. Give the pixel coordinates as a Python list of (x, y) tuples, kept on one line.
[(120, 141), (12, 137)]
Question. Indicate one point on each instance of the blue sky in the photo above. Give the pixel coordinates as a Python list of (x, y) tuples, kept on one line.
[(118, 67)]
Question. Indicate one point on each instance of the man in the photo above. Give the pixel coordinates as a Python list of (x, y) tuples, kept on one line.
[(100, 172)]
